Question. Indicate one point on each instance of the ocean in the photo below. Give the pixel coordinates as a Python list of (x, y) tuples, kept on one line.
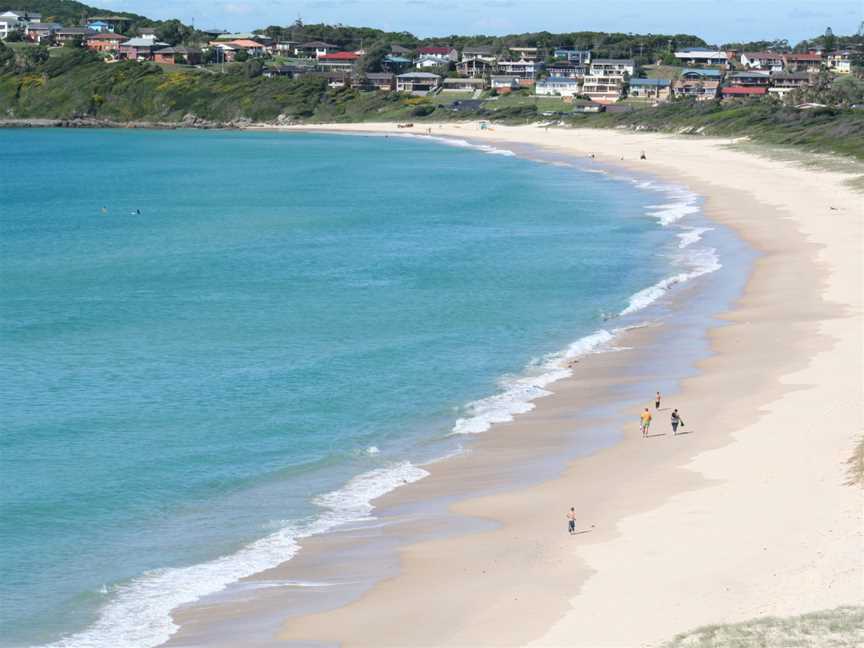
[(217, 343)]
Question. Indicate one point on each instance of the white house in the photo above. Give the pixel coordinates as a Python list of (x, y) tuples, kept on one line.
[(840, 62), (579, 57), (426, 62), (612, 67), (522, 69), (770, 61), (557, 86), (417, 83), (603, 88), (504, 82), (702, 56)]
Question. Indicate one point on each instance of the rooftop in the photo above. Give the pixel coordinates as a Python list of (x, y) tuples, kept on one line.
[(339, 56), (657, 83), (419, 75), (714, 74), (630, 62), (742, 90)]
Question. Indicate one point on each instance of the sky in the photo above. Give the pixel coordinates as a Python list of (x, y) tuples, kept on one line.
[(716, 21)]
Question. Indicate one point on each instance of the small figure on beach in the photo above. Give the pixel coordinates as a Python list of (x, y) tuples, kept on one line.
[(642, 156), (657, 401), (571, 520), (645, 422), (676, 421)]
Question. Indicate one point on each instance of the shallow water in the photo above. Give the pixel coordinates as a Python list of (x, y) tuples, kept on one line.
[(290, 327)]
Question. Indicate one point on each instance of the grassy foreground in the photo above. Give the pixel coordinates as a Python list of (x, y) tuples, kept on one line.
[(841, 627)]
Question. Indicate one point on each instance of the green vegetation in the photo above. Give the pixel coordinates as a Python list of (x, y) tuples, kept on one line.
[(69, 12), (841, 627)]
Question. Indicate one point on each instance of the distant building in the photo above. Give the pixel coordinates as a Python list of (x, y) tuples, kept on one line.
[(699, 88), (770, 61), (462, 85), (558, 86), (344, 61), (784, 83), (71, 34), (425, 62), (395, 64), (808, 62), (656, 89), (417, 83), (749, 78), (696, 74), (479, 53), (315, 49), (444, 54), (108, 23), (702, 56), (524, 53), (399, 50), (42, 32), (140, 49), (567, 69), (526, 70), (384, 81), (613, 67), (579, 57), (840, 61), (505, 82), (603, 89), (738, 92), (178, 54), (476, 68), (105, 41)]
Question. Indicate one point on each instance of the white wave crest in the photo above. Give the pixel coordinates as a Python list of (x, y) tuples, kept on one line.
[(139, 613), (518, 394)]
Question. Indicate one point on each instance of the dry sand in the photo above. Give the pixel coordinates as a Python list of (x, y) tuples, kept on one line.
[(747, 515)]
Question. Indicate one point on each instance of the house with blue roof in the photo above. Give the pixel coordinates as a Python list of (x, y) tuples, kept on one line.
[(701, 73), (656, 89)]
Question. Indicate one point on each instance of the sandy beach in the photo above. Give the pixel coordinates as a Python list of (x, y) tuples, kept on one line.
[(749, 514)]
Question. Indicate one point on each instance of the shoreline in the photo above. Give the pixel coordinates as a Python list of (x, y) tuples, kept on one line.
[(462, 626)]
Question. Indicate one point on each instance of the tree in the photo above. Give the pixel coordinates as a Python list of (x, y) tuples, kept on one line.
[(241, 56), (174, 32), (374, 56), (253, 68), (7, 57), (829, 41)]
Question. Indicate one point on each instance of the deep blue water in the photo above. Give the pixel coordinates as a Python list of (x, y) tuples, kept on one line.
[(182, 382)]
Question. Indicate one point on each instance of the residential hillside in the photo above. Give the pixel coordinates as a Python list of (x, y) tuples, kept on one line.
[(68, 61)]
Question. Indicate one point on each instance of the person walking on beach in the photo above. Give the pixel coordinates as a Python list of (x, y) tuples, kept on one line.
[(657, 401), (645, 418), (676, 421), (571, 520)]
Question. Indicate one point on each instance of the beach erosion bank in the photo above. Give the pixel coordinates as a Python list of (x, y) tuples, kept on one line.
[(747, 515)]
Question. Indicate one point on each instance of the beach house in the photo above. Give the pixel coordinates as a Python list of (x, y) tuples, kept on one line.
[(702, 56), (17, 21), (443, 54), (525, 70), (524, 53), (73, 34), (558, 86), (418, 83), (579, 57), (702, 87), (770, 61), (395, 64), (612, 67), (42, 32), (504, 83), (177, 55), (650, 89), (344, 61), (783, 83), (139, 49), (749, 78), (743, 92), (105, 41), (463, 84), (806, 62), (603, 89), (251, 47), (315, 49), (567, 69), (108, 23), (840, 62), (383, 81)]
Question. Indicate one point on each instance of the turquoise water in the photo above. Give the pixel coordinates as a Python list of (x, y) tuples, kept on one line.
[(188, 390)]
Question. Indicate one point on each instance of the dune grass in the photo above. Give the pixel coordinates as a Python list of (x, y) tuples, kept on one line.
[(842, 627)]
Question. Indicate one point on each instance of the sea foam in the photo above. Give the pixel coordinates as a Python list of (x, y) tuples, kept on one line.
[(139, 612)]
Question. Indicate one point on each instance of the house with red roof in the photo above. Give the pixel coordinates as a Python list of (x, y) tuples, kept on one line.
[(737, 92), (344, 61), (105, 41)]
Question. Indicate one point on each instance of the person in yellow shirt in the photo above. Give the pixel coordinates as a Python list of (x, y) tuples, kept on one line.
[(645, 419)]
